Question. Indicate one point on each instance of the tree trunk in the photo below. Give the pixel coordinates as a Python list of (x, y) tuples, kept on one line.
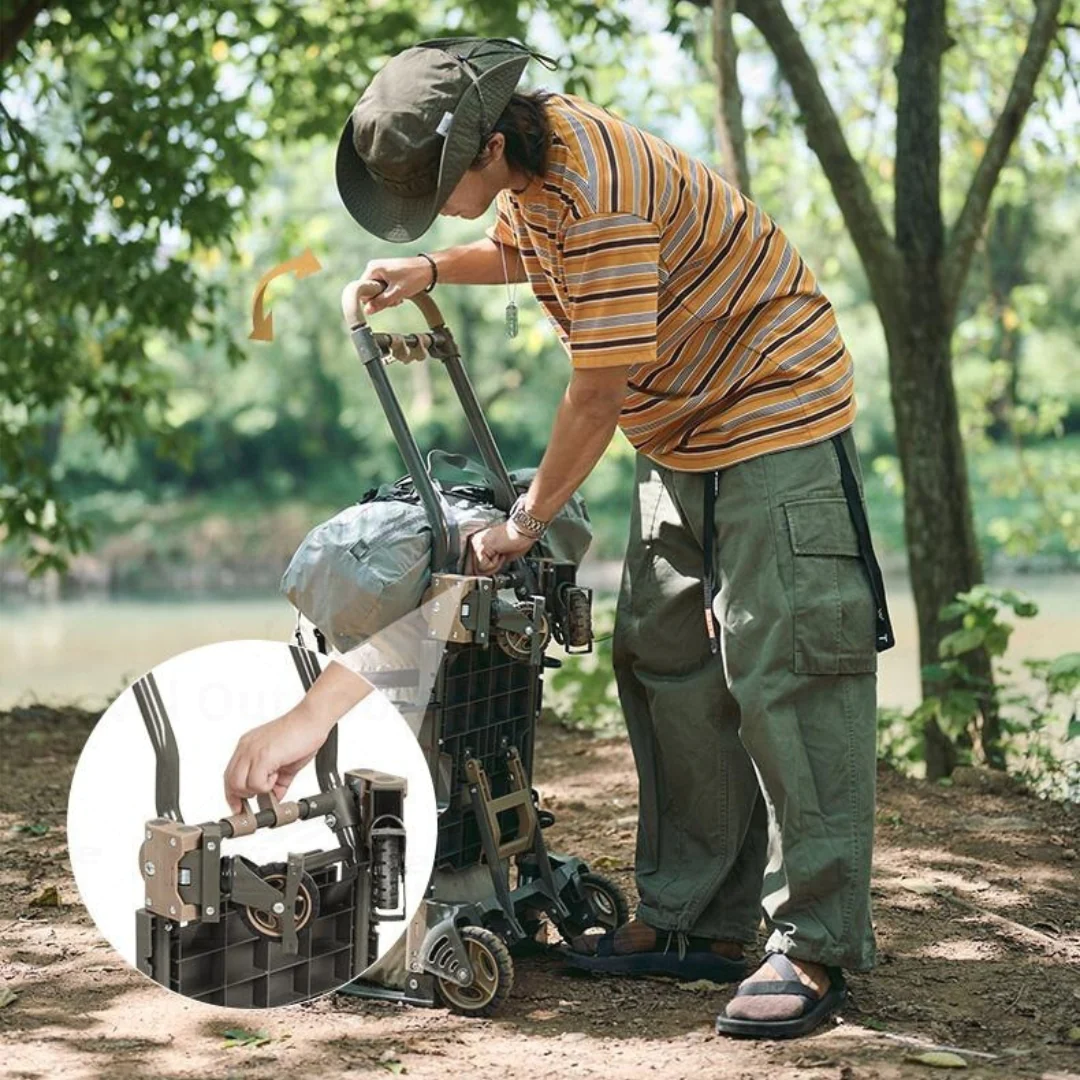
[(730, 132)]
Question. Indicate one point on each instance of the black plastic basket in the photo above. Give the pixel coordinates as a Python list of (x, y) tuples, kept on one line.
[(486, 701)]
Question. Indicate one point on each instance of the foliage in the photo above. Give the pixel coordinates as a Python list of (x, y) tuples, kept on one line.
[(581, 695), (133, 136), (1039, 713)]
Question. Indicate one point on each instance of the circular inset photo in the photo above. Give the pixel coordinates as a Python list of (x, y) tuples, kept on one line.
[(252, 824)]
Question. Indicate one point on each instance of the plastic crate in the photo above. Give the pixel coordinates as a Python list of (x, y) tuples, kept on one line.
[(484, 701), (226, 963)]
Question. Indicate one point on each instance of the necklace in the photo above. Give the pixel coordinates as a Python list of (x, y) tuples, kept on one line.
[(511, 292)]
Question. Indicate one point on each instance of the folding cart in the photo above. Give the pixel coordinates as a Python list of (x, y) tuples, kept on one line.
[(494, 881), (219, 928)]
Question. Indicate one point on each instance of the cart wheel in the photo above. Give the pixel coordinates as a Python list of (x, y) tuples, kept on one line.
[(493, 975), (605, 899), (386, 872), (518, 645), (269, 925)]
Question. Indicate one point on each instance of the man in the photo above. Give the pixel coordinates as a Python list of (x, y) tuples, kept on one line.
[(751, 609)]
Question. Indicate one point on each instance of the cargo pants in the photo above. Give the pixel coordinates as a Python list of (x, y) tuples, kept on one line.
[(756, 764)]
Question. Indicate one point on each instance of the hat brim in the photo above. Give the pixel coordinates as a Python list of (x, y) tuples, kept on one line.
[(402, 219)]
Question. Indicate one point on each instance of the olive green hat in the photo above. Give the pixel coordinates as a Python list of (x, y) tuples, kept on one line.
[(419, 125)]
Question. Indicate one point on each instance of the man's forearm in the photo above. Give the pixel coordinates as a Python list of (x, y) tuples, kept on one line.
[(580, 435), (478, 263)]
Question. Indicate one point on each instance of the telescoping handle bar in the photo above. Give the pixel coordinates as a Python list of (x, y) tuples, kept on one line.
[(438, 344)]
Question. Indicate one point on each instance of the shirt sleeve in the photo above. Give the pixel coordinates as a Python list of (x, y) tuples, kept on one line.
[(502, 232), (612, 271)]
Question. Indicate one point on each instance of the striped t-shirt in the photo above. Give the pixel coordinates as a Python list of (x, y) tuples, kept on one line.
[(641, 255)]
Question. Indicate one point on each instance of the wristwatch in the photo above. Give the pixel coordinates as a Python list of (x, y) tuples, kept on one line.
[(525, 522)]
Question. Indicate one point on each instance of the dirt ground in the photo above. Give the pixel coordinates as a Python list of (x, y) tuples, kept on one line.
[(975, 889)]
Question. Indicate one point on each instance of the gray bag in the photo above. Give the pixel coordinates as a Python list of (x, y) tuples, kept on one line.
[(370, 564)]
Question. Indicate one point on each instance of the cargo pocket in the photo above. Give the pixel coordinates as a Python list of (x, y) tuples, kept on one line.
[(833, 602)]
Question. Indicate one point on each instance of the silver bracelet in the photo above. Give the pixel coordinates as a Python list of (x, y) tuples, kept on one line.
[(526, 522)]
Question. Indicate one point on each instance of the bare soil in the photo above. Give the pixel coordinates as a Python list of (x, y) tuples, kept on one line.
[(975, 886)]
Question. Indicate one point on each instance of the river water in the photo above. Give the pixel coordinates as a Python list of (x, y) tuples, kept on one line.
[(87, 651)]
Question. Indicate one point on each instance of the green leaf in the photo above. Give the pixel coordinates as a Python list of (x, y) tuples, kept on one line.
[(7, 996), (240, 1037), (961, 641), (37, 829)]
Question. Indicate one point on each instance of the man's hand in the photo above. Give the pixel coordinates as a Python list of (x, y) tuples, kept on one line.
[(403, 278), (492, 548), (268, 757)]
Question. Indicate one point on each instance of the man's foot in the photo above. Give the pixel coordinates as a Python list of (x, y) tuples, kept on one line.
[(636, 936), (783, 998), (636, 948)]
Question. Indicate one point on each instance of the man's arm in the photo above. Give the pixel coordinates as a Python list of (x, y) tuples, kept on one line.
[(478, 263), (585, 422)]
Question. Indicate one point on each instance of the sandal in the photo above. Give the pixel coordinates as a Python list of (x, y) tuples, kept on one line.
[(816, 1010), (687, 963)]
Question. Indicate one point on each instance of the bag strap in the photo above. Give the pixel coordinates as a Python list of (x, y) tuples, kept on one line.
[(460, 462), (884, 637), (163, 740)]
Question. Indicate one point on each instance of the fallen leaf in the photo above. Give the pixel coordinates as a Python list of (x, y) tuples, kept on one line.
[(1073, 1035), (923, 888), (698, 986), (38, 829), (49, 898), (394, 1067), (939, 1059), (240, 1037), (7, 996)]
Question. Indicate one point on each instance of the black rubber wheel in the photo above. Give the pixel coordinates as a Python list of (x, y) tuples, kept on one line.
[(386, 872), (605, 899), (493, 975), (268, 925)]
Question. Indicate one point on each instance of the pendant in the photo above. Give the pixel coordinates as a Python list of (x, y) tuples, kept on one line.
[(511, 319)]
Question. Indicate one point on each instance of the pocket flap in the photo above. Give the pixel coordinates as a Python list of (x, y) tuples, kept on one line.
[(821, 527)]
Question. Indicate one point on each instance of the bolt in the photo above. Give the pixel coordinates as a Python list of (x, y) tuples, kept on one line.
[(168, 927), (211, 846), (172, 841), (148, 869), (172, 910), (149, 835), (149, 901), (279, 908), (209, 909), (413, 984), (331, 820), (463, 977)]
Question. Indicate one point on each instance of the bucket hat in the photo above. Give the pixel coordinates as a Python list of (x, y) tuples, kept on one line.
[(419, 125)]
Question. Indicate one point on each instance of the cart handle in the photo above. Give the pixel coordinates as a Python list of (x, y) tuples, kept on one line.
[(356, 292)]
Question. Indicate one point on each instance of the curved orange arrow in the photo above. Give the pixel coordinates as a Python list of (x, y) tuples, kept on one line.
[(262, 325)]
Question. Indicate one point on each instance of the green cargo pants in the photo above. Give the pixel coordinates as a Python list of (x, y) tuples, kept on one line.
[(756, 765)]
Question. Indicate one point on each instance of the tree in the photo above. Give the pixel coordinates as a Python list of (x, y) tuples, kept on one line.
[(133, 133), (916, 274)]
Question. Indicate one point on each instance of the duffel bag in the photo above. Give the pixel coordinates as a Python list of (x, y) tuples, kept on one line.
[(370, 564)]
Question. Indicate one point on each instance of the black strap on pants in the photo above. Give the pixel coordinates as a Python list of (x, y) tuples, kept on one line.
[(883, 635), (712, 488)]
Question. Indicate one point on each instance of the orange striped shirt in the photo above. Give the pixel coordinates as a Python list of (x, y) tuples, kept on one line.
[(641, 255)]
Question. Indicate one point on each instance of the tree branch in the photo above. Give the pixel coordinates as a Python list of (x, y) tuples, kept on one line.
[(876, 249), (969, 223), (14, 27)]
